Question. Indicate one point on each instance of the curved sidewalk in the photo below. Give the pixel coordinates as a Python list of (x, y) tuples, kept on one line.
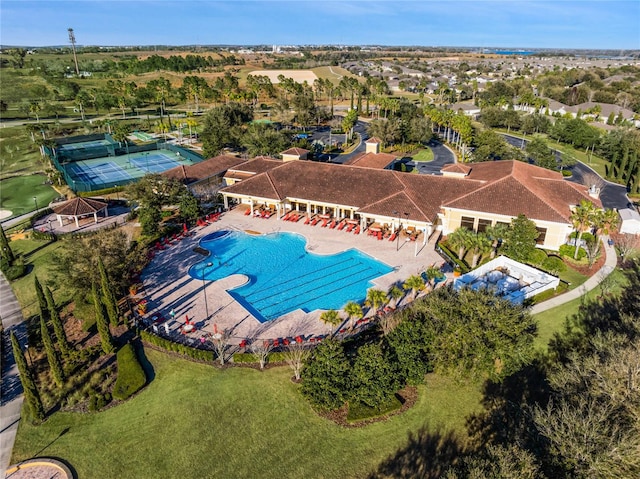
[(11, 392), (609, 265)]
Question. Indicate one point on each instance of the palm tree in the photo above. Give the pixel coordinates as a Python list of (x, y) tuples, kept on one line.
[(376, 298), (496, 234), (396, 294), (581, 219), (353, 310), (432, 273), (415, 284), (479, 245), (460, 239), (331, 317), (604, 221)]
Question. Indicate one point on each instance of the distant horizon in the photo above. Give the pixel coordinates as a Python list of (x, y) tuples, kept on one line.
[(538, 24)]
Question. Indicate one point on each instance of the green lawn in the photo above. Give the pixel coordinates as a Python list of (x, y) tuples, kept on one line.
[(39, 255), (16, 194), (423, 155), (552, 320), (197, 421), (18, 154)]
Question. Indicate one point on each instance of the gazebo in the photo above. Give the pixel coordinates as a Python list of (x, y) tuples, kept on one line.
[(79, 208)]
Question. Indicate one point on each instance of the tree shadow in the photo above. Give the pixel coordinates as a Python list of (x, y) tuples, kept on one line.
[(506, 418), (427, 455), (149, 371)]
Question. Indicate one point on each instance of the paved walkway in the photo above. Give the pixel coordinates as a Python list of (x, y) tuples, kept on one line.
[(11, 389), (610, 263)]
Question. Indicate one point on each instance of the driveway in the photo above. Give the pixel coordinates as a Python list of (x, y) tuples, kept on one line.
[(612, 195), (441, 156)]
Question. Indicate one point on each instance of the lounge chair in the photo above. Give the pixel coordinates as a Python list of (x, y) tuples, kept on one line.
[(308, 220), (379, 235), (350, 227), (393, 236), (286, 217), (325, 223), (314, 221), (333, 224), (357, 230), (248, 212), (342, 224)]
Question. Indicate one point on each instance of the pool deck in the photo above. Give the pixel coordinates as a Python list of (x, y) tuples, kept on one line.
[(168, 286)]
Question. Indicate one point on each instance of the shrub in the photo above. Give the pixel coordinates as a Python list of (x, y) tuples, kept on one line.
[(566, 173), (105, 191), (15, 271), (43, 235), (568, 251), (537, 257), (198, 354), (248, 358), (554, 265), (131, 377)]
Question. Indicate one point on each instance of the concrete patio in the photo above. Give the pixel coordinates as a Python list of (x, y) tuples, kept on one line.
[(168, 286)]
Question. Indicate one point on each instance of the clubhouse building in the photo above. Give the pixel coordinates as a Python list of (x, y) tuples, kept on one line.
[(472, 195)]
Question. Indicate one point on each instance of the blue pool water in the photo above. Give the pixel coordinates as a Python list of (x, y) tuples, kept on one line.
[(283, 276)]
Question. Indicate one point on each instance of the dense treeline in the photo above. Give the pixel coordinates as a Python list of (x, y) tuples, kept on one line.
[(464, 334), (573, 413)]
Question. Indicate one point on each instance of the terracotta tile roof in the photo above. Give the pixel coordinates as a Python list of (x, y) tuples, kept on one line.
[(374, 139), (502, 187), (456, 168), (372, 160), (257, 165), (295, 151), (79, 206), (515, 187), (205, 169)]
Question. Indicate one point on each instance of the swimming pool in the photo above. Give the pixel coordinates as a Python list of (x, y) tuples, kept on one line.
[(283, 276)]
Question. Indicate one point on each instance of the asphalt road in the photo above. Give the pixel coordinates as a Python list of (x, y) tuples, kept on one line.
[(441, 154), (612, 195)]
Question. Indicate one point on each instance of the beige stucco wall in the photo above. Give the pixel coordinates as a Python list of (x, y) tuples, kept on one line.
[(557, 233)]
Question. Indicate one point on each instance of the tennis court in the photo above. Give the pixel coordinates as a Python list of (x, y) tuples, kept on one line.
[(85, 145), (105, 172)]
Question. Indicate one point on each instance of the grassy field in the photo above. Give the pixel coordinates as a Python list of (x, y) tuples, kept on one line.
[(39, 255), (552, 320), (196, 421), (423, 155), (17, 193)]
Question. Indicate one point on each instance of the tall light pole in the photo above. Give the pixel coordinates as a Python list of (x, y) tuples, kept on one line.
[(35, 200), (72, 39), (397, 231), (204, 289)]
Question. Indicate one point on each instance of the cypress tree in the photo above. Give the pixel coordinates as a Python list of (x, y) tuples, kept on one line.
[(42, 301), (58, 328), (108, 296), (52, 355), (31, 395), (5, 248), (101, 321)]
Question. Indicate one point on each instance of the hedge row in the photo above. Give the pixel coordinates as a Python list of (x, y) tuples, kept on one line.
[(105, 191), (198, 354), (454, 258), (131, 377), (276, 357)]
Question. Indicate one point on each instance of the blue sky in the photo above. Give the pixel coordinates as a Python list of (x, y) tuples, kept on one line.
[(506, 23)]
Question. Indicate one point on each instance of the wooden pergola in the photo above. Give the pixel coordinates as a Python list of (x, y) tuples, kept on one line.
[(80, 208)]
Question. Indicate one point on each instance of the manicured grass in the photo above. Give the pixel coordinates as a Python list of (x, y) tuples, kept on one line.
[(423, 155), (552, 320), (197, 421), (16, 194), (39, 255), (573, 277)]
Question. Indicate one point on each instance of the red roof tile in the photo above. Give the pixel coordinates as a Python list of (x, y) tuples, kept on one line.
[(372, 160), (205, 169), (79, 206)]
